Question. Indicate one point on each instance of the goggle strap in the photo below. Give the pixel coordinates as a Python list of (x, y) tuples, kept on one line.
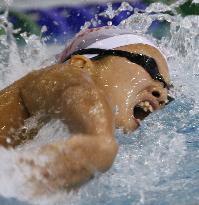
[(148, 63)]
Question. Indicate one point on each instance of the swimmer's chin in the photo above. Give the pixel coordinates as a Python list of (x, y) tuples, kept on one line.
[(130, 126)]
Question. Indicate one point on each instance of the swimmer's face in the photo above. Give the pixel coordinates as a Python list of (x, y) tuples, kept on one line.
[(131, 91)]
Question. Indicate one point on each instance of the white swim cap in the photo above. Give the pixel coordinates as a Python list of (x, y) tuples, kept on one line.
[(109, 38), (103, 38)]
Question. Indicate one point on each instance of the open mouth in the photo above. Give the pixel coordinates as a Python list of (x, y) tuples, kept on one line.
[(142, 110)]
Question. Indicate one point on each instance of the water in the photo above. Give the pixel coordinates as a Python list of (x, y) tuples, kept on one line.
[(156, 165)]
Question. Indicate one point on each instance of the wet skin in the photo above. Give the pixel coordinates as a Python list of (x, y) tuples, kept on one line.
[(128, 84), (91, 97)]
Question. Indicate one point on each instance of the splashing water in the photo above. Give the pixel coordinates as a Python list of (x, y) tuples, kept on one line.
[(157, 164)]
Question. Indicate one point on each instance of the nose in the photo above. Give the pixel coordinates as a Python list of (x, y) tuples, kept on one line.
[(160, 93)]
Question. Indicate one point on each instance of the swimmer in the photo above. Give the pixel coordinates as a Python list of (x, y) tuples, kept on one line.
[(105, 78)]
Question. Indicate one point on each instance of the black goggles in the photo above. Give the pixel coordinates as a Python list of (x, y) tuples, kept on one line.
[(148, 63)]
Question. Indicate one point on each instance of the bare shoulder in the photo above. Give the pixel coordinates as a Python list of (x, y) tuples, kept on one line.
[(41, 89), (61, 74)]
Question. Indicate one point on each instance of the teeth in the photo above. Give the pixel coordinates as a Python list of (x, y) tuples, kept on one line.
[(151, 108), (142, 104), (146, 106)]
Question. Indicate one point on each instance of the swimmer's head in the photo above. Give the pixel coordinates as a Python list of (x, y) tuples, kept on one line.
[(132, 72)]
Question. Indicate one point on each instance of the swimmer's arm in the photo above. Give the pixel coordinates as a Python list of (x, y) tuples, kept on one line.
[(12, 114), (93, 149), (83, 155), (70, 163)]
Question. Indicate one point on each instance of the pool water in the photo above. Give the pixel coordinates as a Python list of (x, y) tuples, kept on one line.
[(158, 164)]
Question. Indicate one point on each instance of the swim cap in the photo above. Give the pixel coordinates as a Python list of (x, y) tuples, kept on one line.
[(104, 38), (112, 37)]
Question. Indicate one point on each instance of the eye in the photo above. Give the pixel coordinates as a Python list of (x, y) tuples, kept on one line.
[(156, 94)]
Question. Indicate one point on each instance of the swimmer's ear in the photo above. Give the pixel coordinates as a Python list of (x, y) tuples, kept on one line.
[(81, 62)]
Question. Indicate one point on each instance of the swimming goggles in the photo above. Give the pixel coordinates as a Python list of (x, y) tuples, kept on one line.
[(148, 63)]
